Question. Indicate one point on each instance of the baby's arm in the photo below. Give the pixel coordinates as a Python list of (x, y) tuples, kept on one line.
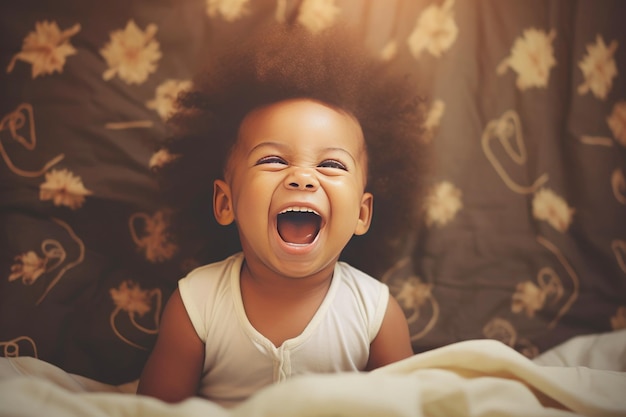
[(393, 341), (173, 370)]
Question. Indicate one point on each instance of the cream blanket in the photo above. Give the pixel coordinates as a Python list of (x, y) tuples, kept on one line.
[(474, 378)]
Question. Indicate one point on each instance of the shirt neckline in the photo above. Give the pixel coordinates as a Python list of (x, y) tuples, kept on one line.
[(254, 334)]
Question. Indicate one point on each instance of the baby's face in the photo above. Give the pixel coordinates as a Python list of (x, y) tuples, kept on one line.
[(295, 186)]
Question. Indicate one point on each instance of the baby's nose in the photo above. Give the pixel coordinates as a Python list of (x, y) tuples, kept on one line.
[(302, 179)]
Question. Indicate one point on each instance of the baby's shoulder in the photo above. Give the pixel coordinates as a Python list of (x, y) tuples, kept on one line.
[(213, 273), (355, 278)]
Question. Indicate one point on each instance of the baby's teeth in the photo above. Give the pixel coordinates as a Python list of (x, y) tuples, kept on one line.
[(298, 209)]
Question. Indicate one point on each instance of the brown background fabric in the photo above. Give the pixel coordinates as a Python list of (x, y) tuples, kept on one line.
[(524, 234)]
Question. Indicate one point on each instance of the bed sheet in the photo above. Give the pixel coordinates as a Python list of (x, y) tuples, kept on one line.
[(598, 351), (472, 378)]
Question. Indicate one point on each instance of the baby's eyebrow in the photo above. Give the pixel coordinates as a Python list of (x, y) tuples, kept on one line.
[(343, 151), (269, 144)]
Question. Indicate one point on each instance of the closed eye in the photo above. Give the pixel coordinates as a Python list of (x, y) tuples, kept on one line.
[(271, 160), (332, 163)]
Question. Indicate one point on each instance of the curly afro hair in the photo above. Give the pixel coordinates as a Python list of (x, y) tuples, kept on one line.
[(282, 62)]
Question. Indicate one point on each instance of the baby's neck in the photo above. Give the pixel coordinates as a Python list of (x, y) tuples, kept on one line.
[(269, 284), (278, 307)]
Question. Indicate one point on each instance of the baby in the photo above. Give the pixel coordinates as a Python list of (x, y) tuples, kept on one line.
[(309, 129)]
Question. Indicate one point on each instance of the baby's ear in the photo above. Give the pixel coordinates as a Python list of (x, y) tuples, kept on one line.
[(222, 203), (365, 214)]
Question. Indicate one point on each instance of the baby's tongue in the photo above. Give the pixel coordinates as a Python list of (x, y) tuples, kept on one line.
[(298, 227)]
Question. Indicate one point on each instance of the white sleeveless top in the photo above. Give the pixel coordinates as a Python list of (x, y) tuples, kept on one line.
[(239, 360)]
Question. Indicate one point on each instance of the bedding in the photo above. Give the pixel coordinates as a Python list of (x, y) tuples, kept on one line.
[(523, 238), (472, 378)]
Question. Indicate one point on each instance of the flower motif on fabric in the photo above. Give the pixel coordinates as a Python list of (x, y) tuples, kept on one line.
[(527, 348), (20, 127), (433, 120), (389, 51), (504, 331), (46, 48), (161, 158), (414, 296), (28, 267), (618, 184), (20, 346), (151, 234), (552, 208), (618, 321), (131, 54), (64, 189), (229, 10), (435, 30), (617, 122), (532, 57), (317, 15), (530, 298), (443, 203), (507, 132), (553, 284), (598, 68), (130, 298), (619, 250), (165, 97), (414, 293)]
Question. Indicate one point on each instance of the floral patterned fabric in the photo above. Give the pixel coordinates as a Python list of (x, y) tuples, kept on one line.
[(524, 232)]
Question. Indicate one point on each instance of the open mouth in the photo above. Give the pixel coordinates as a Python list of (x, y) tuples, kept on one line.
[(298, 226)]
